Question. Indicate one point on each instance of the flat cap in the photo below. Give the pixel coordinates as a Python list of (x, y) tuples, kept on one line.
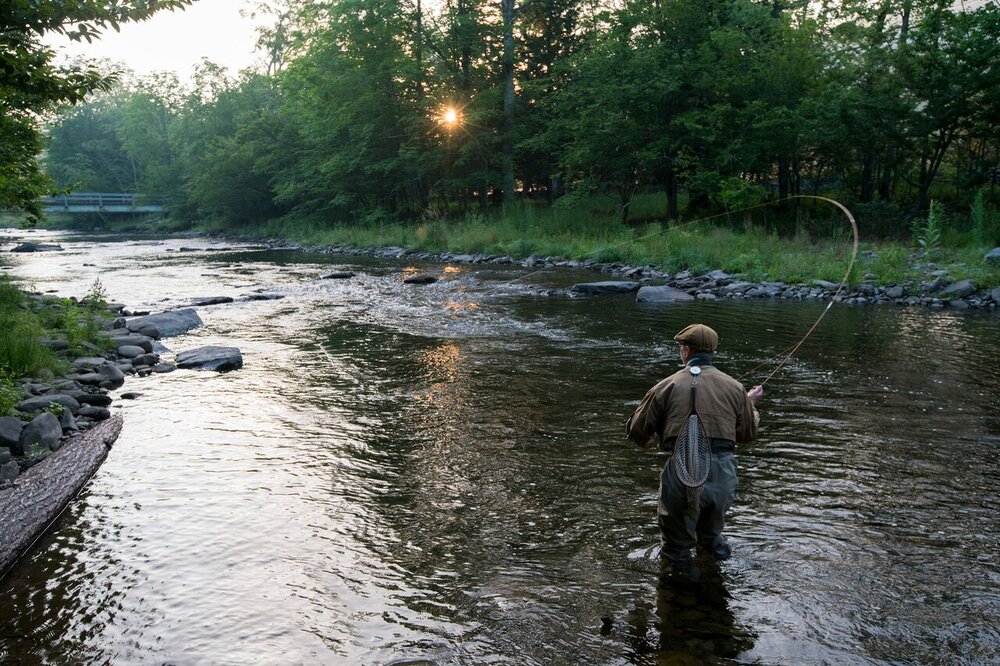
[(699, 338)]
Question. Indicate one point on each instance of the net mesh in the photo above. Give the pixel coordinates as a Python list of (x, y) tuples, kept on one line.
[(692, 459)]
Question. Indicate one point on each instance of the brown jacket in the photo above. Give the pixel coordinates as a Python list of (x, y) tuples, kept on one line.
[(725, 410)]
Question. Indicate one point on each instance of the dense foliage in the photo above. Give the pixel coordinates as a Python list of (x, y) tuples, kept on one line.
[(715, 104), (31, 83)]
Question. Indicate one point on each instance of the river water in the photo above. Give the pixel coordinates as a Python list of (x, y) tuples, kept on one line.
[(436, 474)]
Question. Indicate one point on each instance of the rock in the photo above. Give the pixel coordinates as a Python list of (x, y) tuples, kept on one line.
[(133, 339), (93, 399), (993, 256), (37, 247), (8, 472), (663, 294), (130, 351), (935, 284), (43, 431), (95, 413), (705, 296), (719, 276), (264, 297), (41, 402), (67, 422), (212, 300), (90, 378), (339, 275), (5, 456), (420, 279), (130, 395), (89, 362), (145, 328), (736, 287), (165, 324), (163, 368), (895, 292), (825, 284), (111, 376), (532, 261), (958, 305), (10, 432), (220, 359), (959, 289), (146, 359), (39, 389), (606, 287), (995, 295)]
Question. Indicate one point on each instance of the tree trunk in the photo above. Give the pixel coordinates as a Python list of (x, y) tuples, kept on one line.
[(40, 494), (508, 101), (867, 177), (670, 189), (783, 184)]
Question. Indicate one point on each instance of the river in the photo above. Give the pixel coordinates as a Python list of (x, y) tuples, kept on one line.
[(406, 474)]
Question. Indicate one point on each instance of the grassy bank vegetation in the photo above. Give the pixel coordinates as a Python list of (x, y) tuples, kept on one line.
[(28, 322), (761, 244)]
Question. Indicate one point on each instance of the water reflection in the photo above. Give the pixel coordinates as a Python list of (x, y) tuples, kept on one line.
[(437, 474), (691, 622)]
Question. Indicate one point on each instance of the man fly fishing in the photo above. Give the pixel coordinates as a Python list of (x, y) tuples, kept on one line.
[(699, 413)]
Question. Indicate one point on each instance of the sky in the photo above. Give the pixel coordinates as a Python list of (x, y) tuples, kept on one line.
[(176, 41)]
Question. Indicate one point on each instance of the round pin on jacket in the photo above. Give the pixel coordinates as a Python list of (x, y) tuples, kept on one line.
[(695, 370)]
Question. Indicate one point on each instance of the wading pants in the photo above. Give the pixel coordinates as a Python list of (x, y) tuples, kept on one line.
[(682, 528)]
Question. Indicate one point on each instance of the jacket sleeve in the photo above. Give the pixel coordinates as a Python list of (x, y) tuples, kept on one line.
[(644, 426), (746, 422)]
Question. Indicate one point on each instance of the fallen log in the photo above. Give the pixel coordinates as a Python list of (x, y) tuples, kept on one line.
[(40, 494)]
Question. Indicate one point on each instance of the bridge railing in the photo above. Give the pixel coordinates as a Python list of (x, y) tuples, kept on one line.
[(102, 200)]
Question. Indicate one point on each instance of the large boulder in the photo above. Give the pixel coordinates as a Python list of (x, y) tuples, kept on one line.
[(956, 290), (124, 338), (993, 256), (10, 432), (662, 294), (605, 287), (165, 324), (42, 433), (220, 359), (38, 403)]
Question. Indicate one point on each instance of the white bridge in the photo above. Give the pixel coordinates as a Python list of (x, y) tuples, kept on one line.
[(103, 202)]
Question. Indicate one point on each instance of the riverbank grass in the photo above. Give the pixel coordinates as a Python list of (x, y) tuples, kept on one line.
[(817, 249), (28, 321)]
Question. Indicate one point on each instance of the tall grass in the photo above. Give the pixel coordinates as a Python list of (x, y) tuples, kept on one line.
[(21, 332)]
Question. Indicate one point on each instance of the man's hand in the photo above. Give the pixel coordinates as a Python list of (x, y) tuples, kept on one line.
[(755, 394)]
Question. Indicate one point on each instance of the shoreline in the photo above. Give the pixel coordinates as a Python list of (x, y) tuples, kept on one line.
[(937, 292)]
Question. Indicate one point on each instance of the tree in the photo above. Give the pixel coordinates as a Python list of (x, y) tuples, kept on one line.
[(31, 84)]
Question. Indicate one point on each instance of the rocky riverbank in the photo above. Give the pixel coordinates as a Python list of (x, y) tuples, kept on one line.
[(936, 290), (54, 412)]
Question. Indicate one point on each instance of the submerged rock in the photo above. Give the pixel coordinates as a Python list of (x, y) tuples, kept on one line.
[(339, 275), (420, 279), (212, 300), (28, 246), (606, 287), (661, 294), (221, 359)]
